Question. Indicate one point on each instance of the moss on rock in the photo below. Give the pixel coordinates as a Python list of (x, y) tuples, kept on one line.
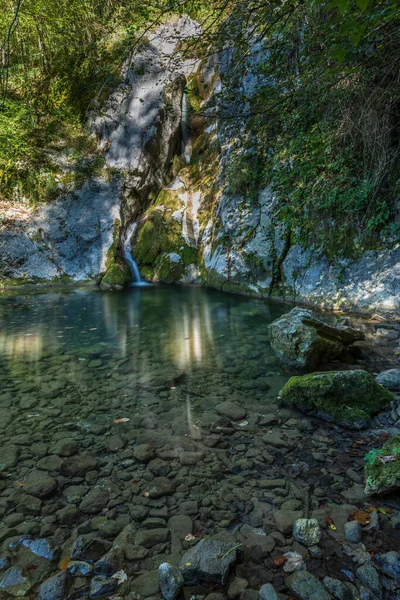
[(383, 477), (348, 398), (117, 271)]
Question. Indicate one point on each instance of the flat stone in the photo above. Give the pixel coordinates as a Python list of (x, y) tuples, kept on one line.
[(208, 562), (252, 538), (89, 548), (151, 537), (94, 501), (236, 587), (78, 466), (306, 587), (14, 583), (54, 588), (9, 457), (390, 379), (231, 410), (171, 581), (339, 589), (144, 453), (147, 585), (102, 586)]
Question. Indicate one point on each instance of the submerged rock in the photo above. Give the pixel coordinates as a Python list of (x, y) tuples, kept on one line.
[(348, 398), (14, 583), (171, 581), (54, 588), (390, 379), (302, 341), (307, 531), (208, 562), (383, 477), (306, 587)]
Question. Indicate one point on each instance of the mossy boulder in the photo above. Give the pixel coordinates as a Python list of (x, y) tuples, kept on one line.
[(302, 341), (348, 398), (382, 471), (118, 274)]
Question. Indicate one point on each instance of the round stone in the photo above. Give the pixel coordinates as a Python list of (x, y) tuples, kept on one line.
[(307, 532), (171, 581)]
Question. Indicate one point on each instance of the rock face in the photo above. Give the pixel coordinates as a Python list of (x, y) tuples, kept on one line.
[(302, 341), (208, 562), (348, 398), (383, 477)]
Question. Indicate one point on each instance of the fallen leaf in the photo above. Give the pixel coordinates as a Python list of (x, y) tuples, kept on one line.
[(360, 516), (190, 537), (293, 562), (64, 563), (388, 458), (123, 420), (120, 576), (146, 494), (21, 483), (279, 560)]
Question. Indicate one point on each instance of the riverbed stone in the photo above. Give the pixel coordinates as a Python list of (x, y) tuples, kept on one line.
[(94, 501), (307, 532), (285, 518), (268, 592), (102, 586), (306, 587), (9, 457), (232, 410), (369, 576), (14, 582), (339, 589), (208, 562), (390, 379), (79, 465), (348, 398), (54, 588), (150, 537), (171, 580), (353, 531), (144, 453), (160, 486), (147, 585), (40, 485), (303, 341), (382, 478)]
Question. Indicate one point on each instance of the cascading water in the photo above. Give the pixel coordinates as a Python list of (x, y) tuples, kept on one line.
[(186, 141), (127, 254)]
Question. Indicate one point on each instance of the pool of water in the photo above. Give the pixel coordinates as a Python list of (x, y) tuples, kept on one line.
[(110, 429)]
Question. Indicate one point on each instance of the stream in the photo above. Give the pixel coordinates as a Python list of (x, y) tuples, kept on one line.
[(119, 422)]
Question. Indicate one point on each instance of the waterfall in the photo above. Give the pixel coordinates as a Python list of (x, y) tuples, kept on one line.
[(127, 254), (186, 142)]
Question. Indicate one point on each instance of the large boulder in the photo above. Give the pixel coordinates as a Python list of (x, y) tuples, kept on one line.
[(382, 469), (208, 562), (348, 398), (302, 341)]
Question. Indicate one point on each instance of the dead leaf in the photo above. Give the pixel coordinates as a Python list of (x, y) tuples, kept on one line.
[(293, 562), (388, 458), (360, 516), (279, 560), (64, 563), (190, 537), (123, 420), (120, 576), (21, 483)]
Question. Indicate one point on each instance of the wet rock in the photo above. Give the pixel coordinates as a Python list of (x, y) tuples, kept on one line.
[(78, 466), (285, 518), (40, 485), (89, 548), (54, 588), (389, 564), (348, 398), (190, 458), (144, 453), (41, 547), (236, 588), (352, 531), (102, 586), (355, 494), (267, 592), (147, 585), (110, 563), (390, 379), (231, 410), (256, 540), (338, 589), (14, 583), (382, 478), (65, 447), (50, 463), (29, 505), (171, 581), (151, 537), (307, 531), (302, 341), (94, 501), (160, 486), (80, 568), (68, 515), (369, 576), (9, 457), (208, 562), (306, 587)]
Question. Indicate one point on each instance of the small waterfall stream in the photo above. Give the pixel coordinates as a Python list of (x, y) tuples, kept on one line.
[(127, 254), (186, 138)]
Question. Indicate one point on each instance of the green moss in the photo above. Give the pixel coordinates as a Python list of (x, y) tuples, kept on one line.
[(380, 477), (117, 271), (348, 398), (169, 271)]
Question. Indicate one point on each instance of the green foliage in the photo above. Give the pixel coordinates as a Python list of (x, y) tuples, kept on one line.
[(246, 175)]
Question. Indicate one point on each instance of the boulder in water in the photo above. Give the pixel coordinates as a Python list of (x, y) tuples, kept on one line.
[(390, 379), (348, 398), (300, 340)]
